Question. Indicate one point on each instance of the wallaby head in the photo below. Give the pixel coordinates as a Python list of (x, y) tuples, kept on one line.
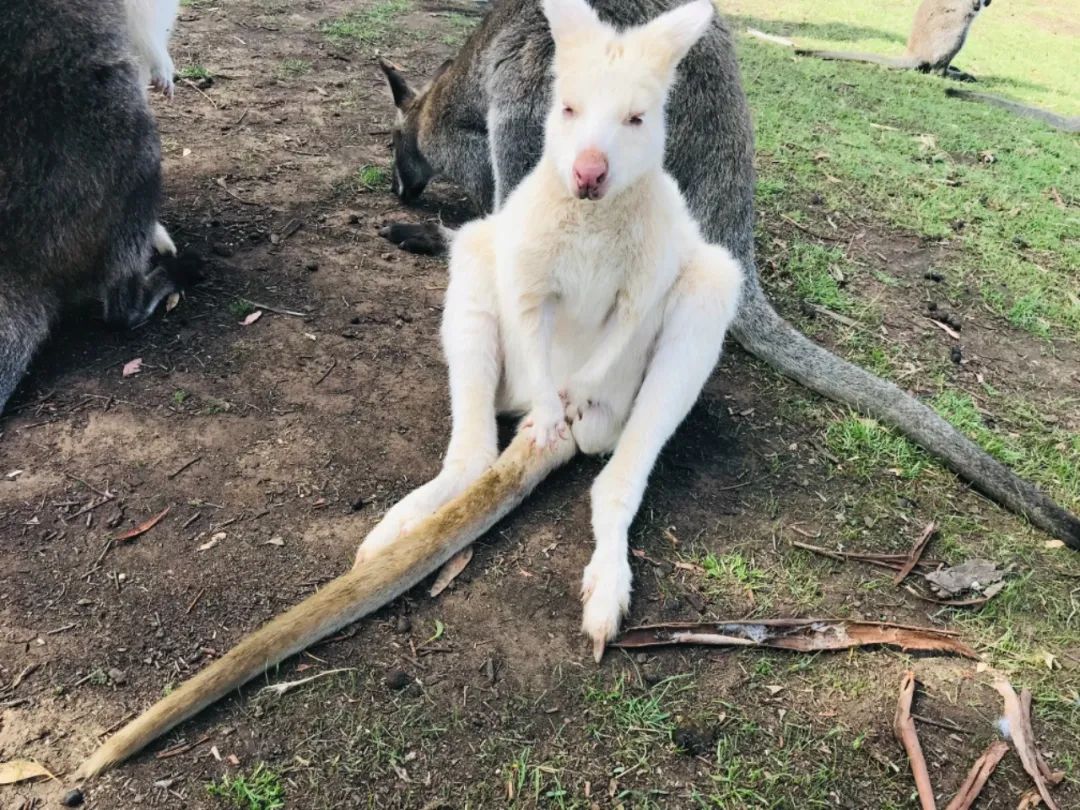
[(606, 126), (412, 171)]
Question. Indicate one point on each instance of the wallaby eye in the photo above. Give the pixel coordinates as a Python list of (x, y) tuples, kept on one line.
[(567, 111), (634, 120)]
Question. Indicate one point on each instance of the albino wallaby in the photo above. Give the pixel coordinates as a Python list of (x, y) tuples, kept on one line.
[(480, 122), (151, 23), (79, 174), (589, 297), (937, 35), (593, 274)]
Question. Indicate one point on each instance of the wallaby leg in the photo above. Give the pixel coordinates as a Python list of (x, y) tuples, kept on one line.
[(24, 325), (132, 291), (470, 337), (163, 243), (702, 305), (957, 75)]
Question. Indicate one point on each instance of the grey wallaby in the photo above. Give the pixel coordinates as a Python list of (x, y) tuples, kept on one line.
[(937, 35), (480, 123), (80, 176)]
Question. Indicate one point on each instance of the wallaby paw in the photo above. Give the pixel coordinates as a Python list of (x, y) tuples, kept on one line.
[(605, 596), (546, 424), (163, 243), (593, 428)]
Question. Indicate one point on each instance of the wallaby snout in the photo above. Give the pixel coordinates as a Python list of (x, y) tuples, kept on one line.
[(590, 174)]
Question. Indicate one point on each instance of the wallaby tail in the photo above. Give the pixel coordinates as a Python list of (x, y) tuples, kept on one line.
[(897, 62), (390, 573), (763, 333), (1062, 122)]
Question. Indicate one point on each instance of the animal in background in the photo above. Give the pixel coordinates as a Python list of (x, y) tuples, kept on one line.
[(480, 124), (938, 33), (80, 176), (151, 23)]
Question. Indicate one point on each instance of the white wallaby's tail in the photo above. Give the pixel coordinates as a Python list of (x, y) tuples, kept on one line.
[(394, 570)]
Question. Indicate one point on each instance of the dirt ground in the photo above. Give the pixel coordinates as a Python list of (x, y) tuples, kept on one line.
[(276, 445)]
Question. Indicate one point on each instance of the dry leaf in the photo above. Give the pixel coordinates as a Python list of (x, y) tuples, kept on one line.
[(144, 527), (171, 301), (1019, 724), (274, 541), (250, 319), (19, 770), (802, 635), (213, 541), (449, 572), (11, 476), (186, 152), (132, 367), (1054, 544), (977, 776)]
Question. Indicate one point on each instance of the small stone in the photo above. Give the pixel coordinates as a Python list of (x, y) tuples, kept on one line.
[(117, 676), (398, 679), (73, 798), (404, 624)]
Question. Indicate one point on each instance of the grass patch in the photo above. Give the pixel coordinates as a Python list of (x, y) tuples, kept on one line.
[(369, 27), (239, 308), (373, 178), (194, 73), (293, 68), (795, 765), (868, 447), (261, 790), (460, 26), (630, 722), (817, 273), (891, 146)]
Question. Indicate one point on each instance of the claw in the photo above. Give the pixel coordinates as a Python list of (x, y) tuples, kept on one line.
[(598, 645)]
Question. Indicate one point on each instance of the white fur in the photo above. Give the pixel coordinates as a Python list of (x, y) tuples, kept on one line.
[(150, 23), (600, 317)]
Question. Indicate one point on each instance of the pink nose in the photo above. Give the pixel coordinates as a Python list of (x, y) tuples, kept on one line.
[(590, 172)]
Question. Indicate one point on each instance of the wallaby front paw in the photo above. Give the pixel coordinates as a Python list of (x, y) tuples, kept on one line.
[(546, 424), (605, 596)]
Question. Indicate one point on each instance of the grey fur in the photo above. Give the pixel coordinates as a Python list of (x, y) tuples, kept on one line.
[(1063, 122), (501, 77), (79, 173)]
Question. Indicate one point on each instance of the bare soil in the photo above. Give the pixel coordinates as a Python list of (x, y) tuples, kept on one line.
[(276, 445)]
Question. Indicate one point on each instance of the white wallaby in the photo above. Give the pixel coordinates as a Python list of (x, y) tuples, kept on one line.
[(150, 23), (589, 302)]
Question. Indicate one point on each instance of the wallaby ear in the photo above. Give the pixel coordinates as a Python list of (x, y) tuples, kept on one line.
[(674, 33), (445, 66), (569, 18), (404, 95)]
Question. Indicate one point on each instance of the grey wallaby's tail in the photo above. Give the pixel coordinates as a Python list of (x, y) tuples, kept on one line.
[(1062, 122), (763, 333), (898, 62)]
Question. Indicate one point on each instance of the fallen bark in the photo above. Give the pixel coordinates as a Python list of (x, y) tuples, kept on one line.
[(973, 784), (801, 635)]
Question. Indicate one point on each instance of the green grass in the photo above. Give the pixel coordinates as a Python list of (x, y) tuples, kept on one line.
[(891, 147), (759, 768), (293, 68), (179, 396), (368, 27), (460, 26), (373, 178), (869, 447), (194, 73), (240, 308), (261, 790)]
